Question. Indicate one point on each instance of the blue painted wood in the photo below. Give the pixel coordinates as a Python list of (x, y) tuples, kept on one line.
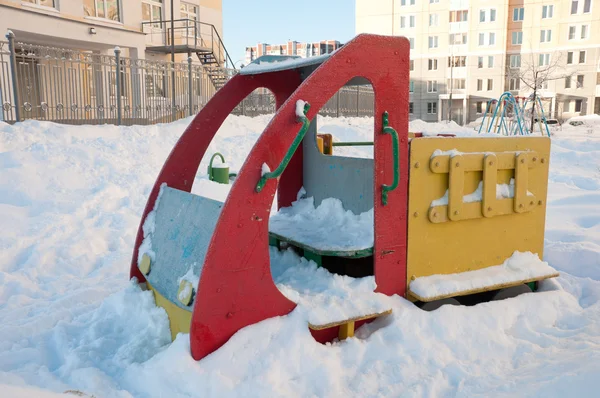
[(348, 179), (184, 225)]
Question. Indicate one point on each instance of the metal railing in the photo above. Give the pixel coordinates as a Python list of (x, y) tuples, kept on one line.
[(188, 35), (84, 87), (79, 87)]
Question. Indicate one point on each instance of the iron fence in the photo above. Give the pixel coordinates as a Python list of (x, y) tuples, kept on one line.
[(84, 87)]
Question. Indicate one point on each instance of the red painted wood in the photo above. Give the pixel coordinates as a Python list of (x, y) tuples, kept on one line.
[(235, 288), (182, 164)]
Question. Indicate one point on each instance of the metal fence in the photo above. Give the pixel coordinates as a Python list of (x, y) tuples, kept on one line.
[(84, 87)]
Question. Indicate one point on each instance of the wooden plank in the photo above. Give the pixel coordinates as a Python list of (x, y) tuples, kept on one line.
[(332, 253), (345, 321)]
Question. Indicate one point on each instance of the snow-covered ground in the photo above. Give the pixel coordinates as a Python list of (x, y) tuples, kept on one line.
[(70, 202)]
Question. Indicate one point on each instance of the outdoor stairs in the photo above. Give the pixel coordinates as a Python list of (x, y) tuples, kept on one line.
[(217, 74)]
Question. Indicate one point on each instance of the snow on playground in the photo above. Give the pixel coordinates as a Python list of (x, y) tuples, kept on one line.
[(71, 198)]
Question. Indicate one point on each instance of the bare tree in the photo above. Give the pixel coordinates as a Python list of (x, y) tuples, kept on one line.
[(536, 73)]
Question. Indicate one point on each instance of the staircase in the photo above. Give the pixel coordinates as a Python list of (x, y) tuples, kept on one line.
[(218, 74), (190, 36)]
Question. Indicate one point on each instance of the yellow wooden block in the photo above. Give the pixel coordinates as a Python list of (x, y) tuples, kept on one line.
[(346, 330), (179, 319), (145, 264), (483, 233)]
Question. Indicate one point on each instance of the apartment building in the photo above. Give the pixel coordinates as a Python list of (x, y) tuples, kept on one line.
[(141, 28), (303, 50), (466, 52)]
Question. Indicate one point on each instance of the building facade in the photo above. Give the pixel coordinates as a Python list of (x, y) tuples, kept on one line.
[(303, 50), (474, 50), (141, 28)]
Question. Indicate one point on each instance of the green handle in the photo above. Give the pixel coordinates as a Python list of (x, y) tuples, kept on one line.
[(210, 164), (389, 130), (288, 156)]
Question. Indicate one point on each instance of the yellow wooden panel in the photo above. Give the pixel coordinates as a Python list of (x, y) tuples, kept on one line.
[(179, 319), (446, 246)]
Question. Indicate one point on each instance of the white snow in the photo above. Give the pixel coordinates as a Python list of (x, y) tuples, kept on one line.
[(286, 63), (518, 267), (71, 198), (300, 109), (503, 191), (220, 165), (265, 169), (327, 227)]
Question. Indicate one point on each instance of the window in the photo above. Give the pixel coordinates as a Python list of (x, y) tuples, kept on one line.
[(570, 57), (568, 82), (411, 86), (582, 57), (434, 1), (514, 84), (493, 15), (547, 11), (432, 86), (587, 6), (574, 6), (544, 59), (432, 64), (490, 84), (584, 31), (412, 64), (45, 3), (407, 21), (518, 14), (545, 35), (579, 81), (544, 85), (479, 62), (457, 62), (492, 38), (432, 108), (578, 105), (479, 84), (481, 39), (433, 41), (572, 32), (458, 38), (479, 107), (410, 108), (490, 61), (459, 16), (457, 84), (517, 38), (108, 9), (433, 19), (566, 105), (407, 2), (412, 43), (152, 12), (481, 15), (515, 61)]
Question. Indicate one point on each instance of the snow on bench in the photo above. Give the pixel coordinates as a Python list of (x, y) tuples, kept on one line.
[(326, 228), (519, 268)]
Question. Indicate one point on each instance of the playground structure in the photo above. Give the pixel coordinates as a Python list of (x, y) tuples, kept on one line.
[(207, 262), (510, 115)]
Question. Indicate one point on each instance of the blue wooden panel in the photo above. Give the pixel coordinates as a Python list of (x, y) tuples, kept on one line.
[(184, 225), (348, 179)]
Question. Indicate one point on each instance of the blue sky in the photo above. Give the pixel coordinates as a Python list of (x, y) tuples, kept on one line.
[(247, 22)]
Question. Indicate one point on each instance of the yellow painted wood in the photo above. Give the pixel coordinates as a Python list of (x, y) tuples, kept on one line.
[(179, 319), (346, 330), (456, 188), (320, 144), (521, 203), (490, 179), (184, 294), (474, 161), (439, 246), (497, 286), (145, 264), (345, 321)]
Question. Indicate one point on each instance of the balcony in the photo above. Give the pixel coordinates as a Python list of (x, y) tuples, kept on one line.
[(187, 36)]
